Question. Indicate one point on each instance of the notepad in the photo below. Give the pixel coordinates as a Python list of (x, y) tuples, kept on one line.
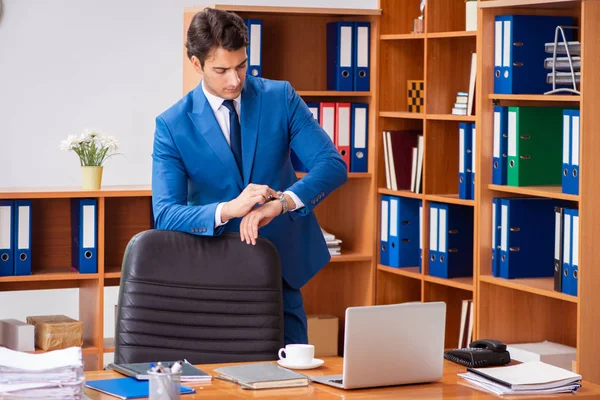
[(189, 373), (262, 376), (127, 388)]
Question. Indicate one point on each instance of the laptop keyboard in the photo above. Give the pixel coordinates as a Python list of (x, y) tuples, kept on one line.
[(340, 381)]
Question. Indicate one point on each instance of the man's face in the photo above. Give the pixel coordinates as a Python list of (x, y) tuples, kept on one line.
[(224, 72)]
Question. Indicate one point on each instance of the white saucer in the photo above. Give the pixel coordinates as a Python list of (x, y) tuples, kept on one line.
[(316, 362)]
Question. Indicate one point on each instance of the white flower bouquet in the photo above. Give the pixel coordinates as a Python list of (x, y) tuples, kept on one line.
[(92, 147)]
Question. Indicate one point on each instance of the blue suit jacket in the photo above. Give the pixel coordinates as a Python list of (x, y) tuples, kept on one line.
[(194, 169)]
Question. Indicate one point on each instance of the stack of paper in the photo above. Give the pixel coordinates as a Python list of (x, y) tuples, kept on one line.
[(56, 374), (333, 244), (534, 377)]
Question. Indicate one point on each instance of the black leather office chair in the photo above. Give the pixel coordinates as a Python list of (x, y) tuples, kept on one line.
[(205, 299)]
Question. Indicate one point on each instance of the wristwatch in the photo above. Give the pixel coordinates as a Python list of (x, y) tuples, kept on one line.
[(283, 201)]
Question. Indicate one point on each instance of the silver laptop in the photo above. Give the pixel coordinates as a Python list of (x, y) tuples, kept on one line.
[(393, 344)]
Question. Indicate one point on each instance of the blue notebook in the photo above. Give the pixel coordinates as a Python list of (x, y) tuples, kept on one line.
[(127, 388)]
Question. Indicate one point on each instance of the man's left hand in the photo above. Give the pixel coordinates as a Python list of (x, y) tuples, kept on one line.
[(258, 218)]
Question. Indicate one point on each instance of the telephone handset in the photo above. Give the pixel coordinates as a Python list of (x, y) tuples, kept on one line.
[(480, 353)]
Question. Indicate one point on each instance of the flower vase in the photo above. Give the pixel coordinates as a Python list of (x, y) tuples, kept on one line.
[(91, 177)]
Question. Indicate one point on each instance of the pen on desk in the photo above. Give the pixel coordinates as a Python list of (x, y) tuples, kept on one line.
[(176, 367)]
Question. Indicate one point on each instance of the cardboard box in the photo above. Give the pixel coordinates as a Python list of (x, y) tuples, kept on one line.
[(17, 335), (56, 331), (551, 353), (323, 334)]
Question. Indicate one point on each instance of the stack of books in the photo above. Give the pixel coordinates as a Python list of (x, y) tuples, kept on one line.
[(534, 377), (56, 374), (460, 106), (562, 67), (333, 244)]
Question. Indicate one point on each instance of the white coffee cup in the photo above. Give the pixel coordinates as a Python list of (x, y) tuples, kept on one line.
[(297, 354)]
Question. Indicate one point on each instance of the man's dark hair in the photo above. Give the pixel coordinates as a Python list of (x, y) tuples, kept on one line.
[(212, 28)]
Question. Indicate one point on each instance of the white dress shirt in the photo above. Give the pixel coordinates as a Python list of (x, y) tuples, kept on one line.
[(222, 114)]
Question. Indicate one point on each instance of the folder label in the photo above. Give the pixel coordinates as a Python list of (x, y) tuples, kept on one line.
[(461, 151), (433, 231), (566, 128), (504, 238), (557, 221), (344, 127), (89, 227), (329, 121), (512, 134), (23, 231), (567, 243), (575, 250), (255, 41), (443, 230), (384, 220), (393, 217), (494, 227), (575, 141), (5, 227), (363, 47), (496, 135), (360, 134), (498, 44), (507, 47), (346, 47)]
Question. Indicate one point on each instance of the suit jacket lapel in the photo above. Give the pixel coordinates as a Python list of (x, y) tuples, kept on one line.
[(205, 121), (250, 116)]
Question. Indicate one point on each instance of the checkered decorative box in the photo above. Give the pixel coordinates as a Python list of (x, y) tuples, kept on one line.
[(416, 96)]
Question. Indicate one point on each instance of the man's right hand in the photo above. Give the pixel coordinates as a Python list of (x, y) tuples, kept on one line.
[(251, 196)]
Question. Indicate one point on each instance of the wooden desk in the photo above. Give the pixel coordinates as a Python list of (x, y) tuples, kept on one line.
[(449, 387)]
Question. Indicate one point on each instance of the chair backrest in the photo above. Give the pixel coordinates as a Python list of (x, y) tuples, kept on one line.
[(206, 299)]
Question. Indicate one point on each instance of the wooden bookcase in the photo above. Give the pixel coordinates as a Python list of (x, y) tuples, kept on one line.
[(294, 49), (516, 310)]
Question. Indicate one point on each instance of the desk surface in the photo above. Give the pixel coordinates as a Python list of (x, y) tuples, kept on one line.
[(449, 387)]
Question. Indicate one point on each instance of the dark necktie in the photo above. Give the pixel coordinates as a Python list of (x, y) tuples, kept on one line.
[(235, 134)]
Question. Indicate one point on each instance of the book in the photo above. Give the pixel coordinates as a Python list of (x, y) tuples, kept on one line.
[(262, 376), (127, 388), (534, 377), (189, 373)]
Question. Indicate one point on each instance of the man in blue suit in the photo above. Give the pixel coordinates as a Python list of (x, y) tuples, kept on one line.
[(221, 160)]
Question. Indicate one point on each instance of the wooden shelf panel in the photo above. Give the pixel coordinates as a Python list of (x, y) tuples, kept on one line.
[(409, 272), (402, 36), (74, 192), (331, 93), (401, 193), (109, 345), (450, 199), (552, 192), (85, 349), (351, 175), (350, 256), (535, 97), (290, 10), (450, 117), (527, 3), (434, 35), (538, 286), (465, 283), (401, 114), (54, 274)]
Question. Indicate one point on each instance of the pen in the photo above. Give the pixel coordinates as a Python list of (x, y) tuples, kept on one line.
[(176, 367)]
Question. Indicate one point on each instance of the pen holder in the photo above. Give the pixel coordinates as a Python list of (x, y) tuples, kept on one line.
[(164, 385)]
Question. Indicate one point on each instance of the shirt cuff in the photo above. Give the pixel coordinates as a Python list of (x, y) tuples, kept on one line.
[(299, 203), (218, 221)]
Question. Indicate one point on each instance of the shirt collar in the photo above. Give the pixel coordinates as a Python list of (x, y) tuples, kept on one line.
[(216, 102)]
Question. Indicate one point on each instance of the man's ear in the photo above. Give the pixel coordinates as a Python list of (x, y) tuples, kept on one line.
[(196, 64)]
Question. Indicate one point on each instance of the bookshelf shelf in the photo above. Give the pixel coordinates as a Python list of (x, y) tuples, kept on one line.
[(284, 11), (403, 36), (536, 97), (401, 193), (440, 35), (109, 345), (450, 117), (86, 349), (350, 256), (539, 286), (527, 3), (449, 199), (409, 272), (465, 283), (331, 93), (552, 192), (54, 274), (351, 175), (401, 114)]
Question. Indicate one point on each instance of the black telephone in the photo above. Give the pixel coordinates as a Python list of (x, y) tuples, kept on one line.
[(480, 353)]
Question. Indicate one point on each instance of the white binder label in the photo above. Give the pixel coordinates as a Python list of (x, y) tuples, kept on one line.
[(443, 230), (566, 131), (5, 227), (362, 47), (461, 150), (315, 112), (556, 235), (433, 225), (329, 121), (384, 220), (360, 128), (494, 226), (498, 44), (504, 229), (23, 233), (344, 126), (497, 135), (575, 261), (420, 227), (474, 142), (393, 217), (512, 134), (346, 47), (575, 141), (89, 226), (255, 39), (567, 243), (506, 58)]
